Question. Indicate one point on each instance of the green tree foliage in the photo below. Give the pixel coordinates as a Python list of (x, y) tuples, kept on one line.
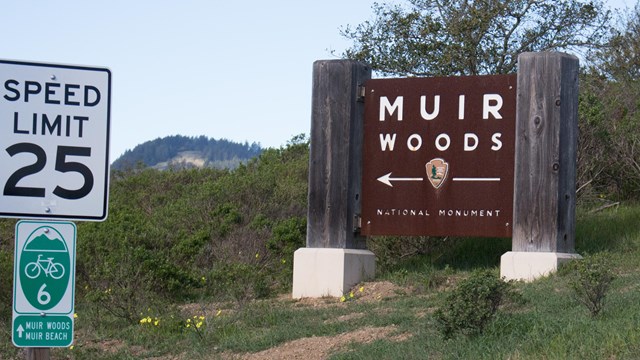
[(620, 59), (609, 155), (462, 37)]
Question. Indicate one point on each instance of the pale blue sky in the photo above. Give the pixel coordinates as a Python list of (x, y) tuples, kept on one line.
[(239, 70)]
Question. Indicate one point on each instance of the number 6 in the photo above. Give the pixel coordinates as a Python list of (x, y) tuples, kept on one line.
[(43, 296)]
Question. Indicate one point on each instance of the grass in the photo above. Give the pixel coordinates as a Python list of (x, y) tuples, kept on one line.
[(548, 323)]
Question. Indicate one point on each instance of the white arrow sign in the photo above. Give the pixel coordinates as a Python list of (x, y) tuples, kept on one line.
[(387, 179), (20, 330)]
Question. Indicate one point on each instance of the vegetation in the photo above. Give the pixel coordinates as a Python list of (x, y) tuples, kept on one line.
[(460, 37), (545, 320), (166, 152), (608, 157), (472, 304), (591, 280)]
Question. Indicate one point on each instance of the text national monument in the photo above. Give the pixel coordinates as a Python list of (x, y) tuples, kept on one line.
[(474, 156)]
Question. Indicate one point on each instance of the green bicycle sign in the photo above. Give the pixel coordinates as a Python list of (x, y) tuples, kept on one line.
[(44, 283), (43, 263)]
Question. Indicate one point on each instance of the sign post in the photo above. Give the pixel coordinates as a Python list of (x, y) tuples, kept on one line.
[(44, 284), (335, 258), (54, 147), (545, 166)]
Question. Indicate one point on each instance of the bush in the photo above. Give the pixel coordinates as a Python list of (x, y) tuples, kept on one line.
[(472, 304), (391, 250), (590, 280), (288, 236), (238, 282)]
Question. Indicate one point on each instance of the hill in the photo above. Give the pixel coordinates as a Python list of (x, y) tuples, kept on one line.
[(179, 151)]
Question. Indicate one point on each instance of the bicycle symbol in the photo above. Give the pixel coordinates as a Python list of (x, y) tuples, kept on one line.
[(33, 269)]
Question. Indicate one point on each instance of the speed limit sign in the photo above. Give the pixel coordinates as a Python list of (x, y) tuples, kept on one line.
[(54, 141)]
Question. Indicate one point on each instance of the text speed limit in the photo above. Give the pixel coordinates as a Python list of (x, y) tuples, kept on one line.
[(54, 141)]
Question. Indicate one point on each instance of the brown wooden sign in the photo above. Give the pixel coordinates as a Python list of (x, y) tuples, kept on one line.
[(438, 156)]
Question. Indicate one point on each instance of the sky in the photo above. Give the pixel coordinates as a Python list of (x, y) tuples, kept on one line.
[(235, 70)]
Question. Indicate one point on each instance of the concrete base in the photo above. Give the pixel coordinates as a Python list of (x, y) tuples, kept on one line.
[(319, 272), (528, 266)]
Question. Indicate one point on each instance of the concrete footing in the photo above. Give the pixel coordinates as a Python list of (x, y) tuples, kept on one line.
[(528, 266), (319, 272)]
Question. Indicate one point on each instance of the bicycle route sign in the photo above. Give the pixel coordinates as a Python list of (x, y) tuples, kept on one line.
[(54, 141), (44, 284)]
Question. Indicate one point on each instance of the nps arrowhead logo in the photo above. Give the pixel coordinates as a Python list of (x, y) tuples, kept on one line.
[(437, 170), (44, 268)]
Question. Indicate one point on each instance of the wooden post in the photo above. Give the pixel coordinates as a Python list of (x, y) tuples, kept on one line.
[(335, 158), (545, 165), (334, 259), (38, 354)]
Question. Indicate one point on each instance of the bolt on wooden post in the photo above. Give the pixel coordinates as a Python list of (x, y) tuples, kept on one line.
[(334, 258), (545, 165)]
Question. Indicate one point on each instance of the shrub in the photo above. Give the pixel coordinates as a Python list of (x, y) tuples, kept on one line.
[(288, 235), (391, 250), (590, 280), (238, 282), (472, 304)]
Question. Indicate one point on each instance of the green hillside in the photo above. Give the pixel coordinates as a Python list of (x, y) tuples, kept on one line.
[(179, 151)]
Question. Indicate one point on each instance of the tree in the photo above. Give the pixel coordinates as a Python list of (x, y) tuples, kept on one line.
[(609, 152), (619, 60), (471, 37)]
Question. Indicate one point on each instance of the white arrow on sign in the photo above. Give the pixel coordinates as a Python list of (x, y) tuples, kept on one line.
[(20, 330), (387, 179)]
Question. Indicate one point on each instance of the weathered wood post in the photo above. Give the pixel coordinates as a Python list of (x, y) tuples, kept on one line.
[(545, 166), (38, 353), (334, 259)]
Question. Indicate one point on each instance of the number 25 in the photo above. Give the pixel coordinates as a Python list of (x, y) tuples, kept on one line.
[(62, 165)]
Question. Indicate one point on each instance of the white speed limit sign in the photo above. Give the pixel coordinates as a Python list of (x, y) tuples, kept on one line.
[(54, 141)]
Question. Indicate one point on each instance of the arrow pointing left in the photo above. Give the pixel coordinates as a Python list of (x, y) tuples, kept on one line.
[(387, 179)]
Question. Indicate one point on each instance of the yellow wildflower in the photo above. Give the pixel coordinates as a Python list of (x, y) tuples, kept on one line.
[(351, 295), (361, 289), (343, 299)]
